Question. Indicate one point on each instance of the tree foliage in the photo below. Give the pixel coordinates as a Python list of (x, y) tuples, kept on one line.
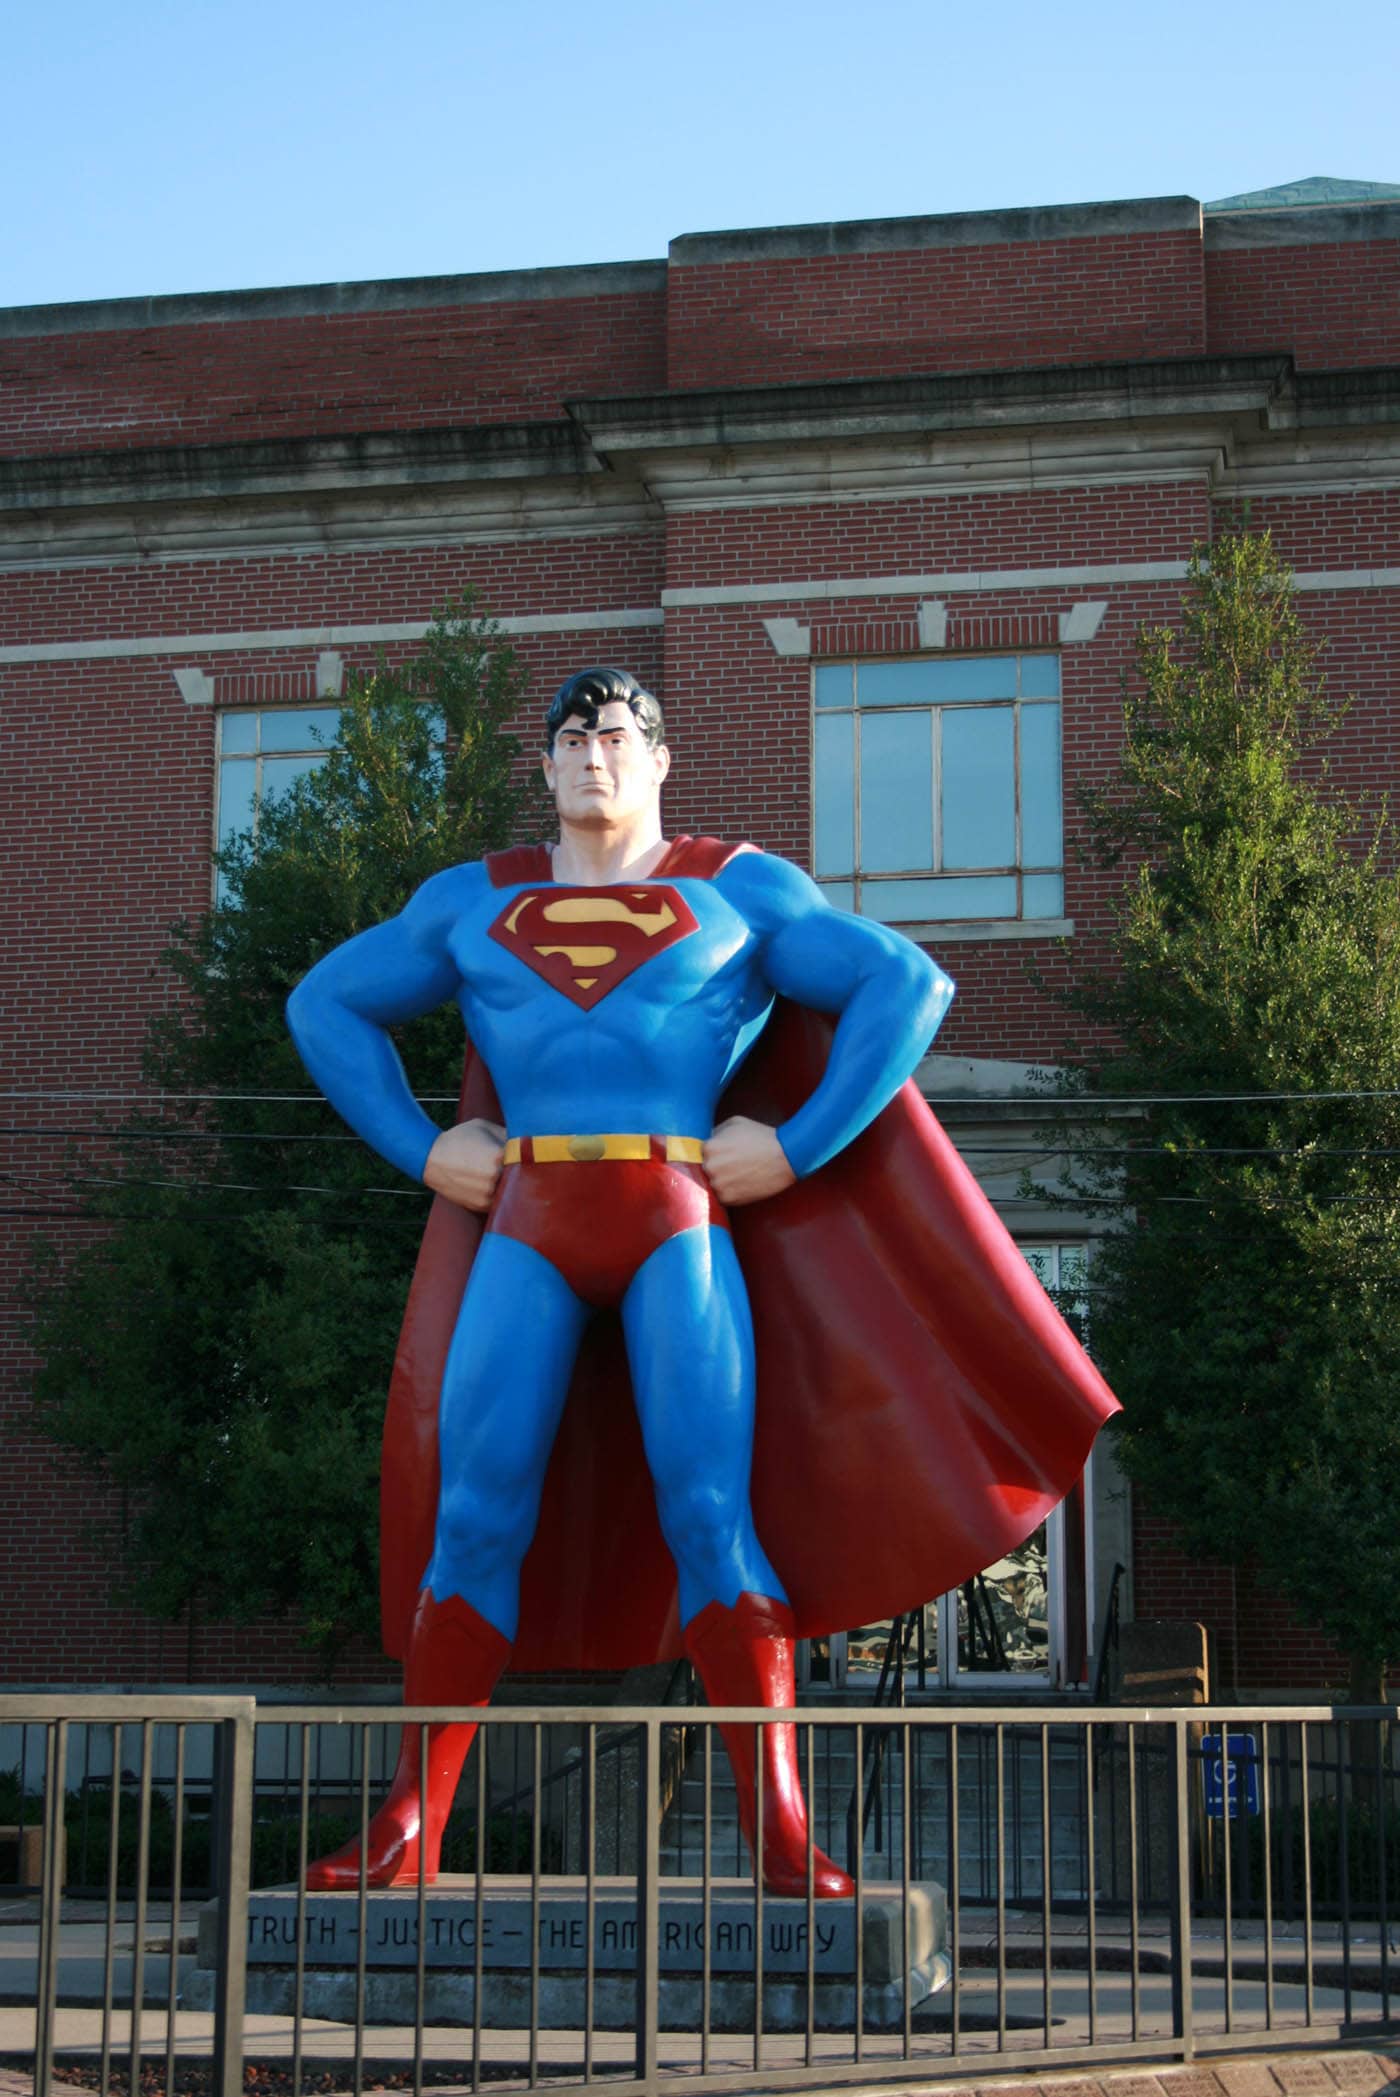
[(1249, 1313), (220, 1353)]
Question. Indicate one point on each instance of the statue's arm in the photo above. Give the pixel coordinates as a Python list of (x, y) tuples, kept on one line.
[(889, 999), (339, 1013)]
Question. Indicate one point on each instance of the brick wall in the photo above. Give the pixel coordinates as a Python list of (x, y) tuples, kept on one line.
[(1009, 305), (319, 374), (1334, 306), (1261, 1646)]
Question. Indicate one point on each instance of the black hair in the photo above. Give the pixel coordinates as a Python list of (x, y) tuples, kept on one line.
[(587, 692)]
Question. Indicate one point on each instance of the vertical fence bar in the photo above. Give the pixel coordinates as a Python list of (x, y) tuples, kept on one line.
[(1091, 1891), (1266, 1805), (649, 1906), (954, 1895), (859, 1875), (536, 1815), (1229, 1817), (590, 1920), (303, 1847), (706, 1896), (760, 1741), (177, 1858), (1047, 1932), (1345, 1736), (809, 2026), (1383, 1847), (483, 1741), (235, 1833), (999, 1735), (420, 1958), (110, 1946), (50, 1904), (1183, 2007), (1134, 1887), (143, 1873), (1306, 1787), (362, 1910), (906, 1815)]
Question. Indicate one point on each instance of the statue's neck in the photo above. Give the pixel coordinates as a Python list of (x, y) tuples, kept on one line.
[(596, 858)]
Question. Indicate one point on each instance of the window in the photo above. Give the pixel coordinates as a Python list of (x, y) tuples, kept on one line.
[(936, 791), (260, 754)]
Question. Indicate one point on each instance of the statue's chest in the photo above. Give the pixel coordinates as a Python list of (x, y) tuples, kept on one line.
[(659, 943)]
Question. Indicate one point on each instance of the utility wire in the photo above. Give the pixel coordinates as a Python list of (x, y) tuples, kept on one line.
[(1048, 1101)]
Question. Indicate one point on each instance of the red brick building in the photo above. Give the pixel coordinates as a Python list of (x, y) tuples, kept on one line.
[(895, 496)]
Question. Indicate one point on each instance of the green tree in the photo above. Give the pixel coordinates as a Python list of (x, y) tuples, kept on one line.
[(219, 1354), (1249, 1312)]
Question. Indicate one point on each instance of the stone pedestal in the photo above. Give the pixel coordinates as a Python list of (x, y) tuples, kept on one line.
[(903, 1952)]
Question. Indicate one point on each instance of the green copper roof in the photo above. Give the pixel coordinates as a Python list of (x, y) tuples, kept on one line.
[(1309, 194)]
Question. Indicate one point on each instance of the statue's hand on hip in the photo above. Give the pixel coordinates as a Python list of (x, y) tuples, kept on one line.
[(744, 1161), (465, 1163)]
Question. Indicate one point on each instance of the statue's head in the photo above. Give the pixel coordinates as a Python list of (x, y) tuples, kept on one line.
[(587, 692), (605, 756)]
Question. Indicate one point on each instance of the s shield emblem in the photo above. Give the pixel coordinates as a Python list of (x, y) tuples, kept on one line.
[(585, 941)]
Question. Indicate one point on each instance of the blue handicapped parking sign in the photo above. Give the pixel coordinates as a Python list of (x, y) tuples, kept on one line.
[(1236, 1789)]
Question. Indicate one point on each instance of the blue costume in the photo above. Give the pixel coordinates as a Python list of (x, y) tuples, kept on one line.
[(620, 1012)]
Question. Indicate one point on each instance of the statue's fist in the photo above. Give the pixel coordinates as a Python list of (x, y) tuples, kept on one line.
[(465, 1163), (744, 1161)]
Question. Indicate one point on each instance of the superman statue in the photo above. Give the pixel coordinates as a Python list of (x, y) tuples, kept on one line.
[(597, 1433)]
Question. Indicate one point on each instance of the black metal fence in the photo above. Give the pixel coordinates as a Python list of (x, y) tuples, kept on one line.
[(1033, 1890)]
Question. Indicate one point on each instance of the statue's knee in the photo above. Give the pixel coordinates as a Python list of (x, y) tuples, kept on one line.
[(701, 1526), (479, 1532)]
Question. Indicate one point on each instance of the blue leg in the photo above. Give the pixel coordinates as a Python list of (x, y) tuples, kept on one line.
[(690, 1345), (503, 1391)]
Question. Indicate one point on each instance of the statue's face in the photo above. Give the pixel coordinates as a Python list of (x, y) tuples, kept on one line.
[(607, 774)]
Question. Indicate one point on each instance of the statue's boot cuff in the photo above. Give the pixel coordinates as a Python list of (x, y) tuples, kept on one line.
[(744, 1655), (454, 1657)]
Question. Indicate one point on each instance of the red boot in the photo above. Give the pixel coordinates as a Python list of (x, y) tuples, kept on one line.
[(744, 1656), (454, 1657)]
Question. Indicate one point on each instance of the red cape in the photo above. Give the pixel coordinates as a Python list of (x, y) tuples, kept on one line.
[(921, 1403)]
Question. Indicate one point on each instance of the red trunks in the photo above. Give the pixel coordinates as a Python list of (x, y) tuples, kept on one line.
[(598, 1222)]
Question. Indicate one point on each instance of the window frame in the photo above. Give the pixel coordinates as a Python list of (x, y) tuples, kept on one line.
[(312, 754), (848, 889)]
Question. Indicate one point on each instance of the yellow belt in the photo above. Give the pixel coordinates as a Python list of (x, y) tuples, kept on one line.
[(588, 1150)]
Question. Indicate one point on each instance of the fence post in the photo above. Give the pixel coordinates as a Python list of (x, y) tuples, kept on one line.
[(50, 1902), (234, 1841), (1183, 2023), (648, 1905)]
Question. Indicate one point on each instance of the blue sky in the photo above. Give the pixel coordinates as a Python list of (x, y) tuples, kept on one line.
[(150, 147)]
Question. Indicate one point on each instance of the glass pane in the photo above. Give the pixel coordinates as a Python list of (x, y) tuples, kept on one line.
[(834, 686), (834, 795), (1004, 1615), (1042, 832), (896, 684), (868, 1647), (1043, 895), (918, 902), (237, 732), (1040, 677), (279, 772), (300, 728), (840, 894), (974, 677), (896, 792), (979, 799), (1041, 1261), (237, 776)]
